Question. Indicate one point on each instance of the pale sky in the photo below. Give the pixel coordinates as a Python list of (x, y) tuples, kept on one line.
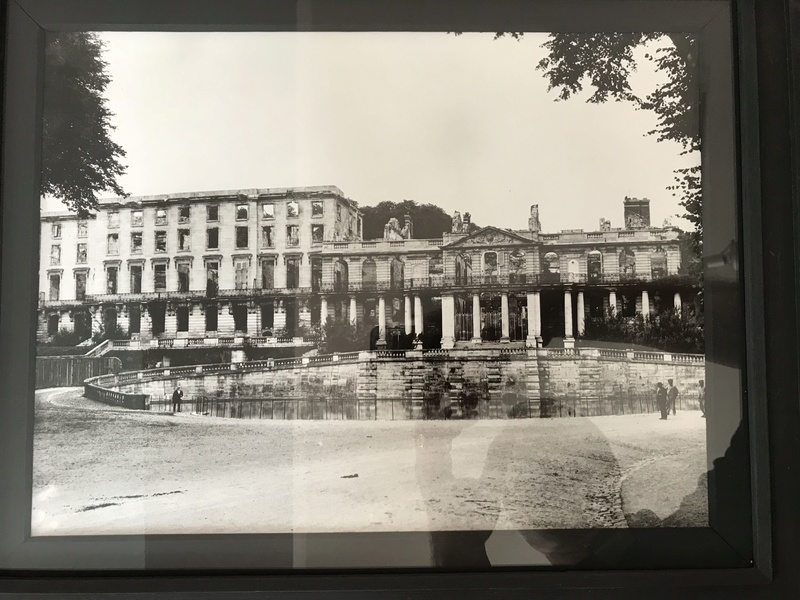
[(463, 122)]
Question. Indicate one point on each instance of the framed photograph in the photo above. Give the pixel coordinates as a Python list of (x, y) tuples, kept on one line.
[(399, 298)]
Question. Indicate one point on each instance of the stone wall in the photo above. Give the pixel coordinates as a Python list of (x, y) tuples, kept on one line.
[(468, 383)]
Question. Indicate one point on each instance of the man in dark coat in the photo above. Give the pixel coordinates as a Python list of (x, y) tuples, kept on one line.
[(661, 400), (672, 394), (177, 396)]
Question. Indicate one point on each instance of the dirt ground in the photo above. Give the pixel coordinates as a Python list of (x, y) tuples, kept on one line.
[(102, 470)]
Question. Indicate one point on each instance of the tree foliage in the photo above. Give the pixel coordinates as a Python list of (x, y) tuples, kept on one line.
[(671, 331), (79, 158), (342, 336), (430, 221), (604, 63)]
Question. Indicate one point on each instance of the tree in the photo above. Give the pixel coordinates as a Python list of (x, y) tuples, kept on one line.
[(605, 61), (430, 221), (79, 158)]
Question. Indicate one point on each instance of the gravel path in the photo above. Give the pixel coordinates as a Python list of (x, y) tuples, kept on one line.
[(104, 470)]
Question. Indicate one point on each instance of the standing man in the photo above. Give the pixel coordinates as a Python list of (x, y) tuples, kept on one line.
[(661, 400), (701, 396), (672, 394), (177, 396)]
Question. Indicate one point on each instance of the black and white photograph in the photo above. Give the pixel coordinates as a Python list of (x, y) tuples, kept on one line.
[(364, 282)]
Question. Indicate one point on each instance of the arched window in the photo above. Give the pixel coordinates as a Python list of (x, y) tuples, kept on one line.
[(463, 268), (369, 275), (574, 269), (594, 265), (551, 268), (397, 274), (340, 276), (658, 263), (627, 263)]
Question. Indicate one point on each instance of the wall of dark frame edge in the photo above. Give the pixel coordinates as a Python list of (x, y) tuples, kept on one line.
[(777, 35)]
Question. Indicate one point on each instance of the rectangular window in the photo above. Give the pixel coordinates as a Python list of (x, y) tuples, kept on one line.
[(267, 316), (112, 244), (134, 319), (80, 286), (113, 219), (268, 210), (55, 231), (83, 229), (55, 287), (160, 278), (212, 238), (182, 318), (267, 274), (136, 242), (183, 239), (316, 274), (111, 280), (292, 273), (55, 254), (161, 241), (242, 237), (183, 277), (211, 317), (267, 236), (137, 218), (242, 212), (183, 214), (292, 235), (316, 208), (317, 233), (338, 212), (161, 216), (240, 317), (292, 209), (52, 324), (81, 255), (212, 279), (136, 279), (242, 274), (212, 212)]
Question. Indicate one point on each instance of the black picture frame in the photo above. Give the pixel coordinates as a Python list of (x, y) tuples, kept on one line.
[(765, 60)]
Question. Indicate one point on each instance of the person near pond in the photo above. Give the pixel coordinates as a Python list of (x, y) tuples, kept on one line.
[(661, 400), (701, 396), (177, 396), (672, 394)]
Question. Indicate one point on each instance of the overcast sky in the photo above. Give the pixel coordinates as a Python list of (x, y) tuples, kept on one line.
[(463, 122)]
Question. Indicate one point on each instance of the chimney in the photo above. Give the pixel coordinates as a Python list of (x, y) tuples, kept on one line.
[(533, 222), (637, 213), (409, 227)]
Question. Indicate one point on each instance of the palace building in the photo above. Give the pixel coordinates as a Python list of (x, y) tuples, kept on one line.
[(246, 265)]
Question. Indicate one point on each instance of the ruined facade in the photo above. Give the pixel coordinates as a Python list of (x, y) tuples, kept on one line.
[(268, 262)]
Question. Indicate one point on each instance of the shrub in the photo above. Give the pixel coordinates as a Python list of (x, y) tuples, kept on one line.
[(671, 331), (65, 337), (343, 337)]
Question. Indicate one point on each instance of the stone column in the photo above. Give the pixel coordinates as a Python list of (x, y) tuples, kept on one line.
[(645, 304), (448, 321), (581, 314), (323, 310), (612, 301), (677, 302), (381, 322), (419, 324), (568, 333), (504, 317), (407, 313), (530, 341), (537, 297), (353, 311), (476, 318)]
